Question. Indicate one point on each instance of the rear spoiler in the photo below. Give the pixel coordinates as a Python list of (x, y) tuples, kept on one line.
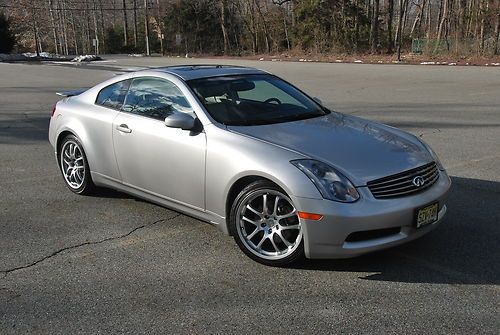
[(72, 92)]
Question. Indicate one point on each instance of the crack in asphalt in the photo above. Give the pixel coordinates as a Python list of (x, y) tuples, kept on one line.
[(55, 253)]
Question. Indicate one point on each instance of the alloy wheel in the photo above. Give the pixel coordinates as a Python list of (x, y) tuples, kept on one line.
[(73, 164), (268, 224)]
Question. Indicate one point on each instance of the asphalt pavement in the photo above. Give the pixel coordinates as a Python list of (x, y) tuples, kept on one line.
[(111, 263)]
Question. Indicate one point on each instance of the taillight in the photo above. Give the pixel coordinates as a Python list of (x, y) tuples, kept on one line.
[(53, 111)]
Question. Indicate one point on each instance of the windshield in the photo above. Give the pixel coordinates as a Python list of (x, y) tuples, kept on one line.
[(253, 99)]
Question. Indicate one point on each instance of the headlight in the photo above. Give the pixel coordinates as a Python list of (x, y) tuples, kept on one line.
[(330, 183), (433, 154)]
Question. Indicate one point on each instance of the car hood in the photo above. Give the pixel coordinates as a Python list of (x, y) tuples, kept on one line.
[(363, 150)]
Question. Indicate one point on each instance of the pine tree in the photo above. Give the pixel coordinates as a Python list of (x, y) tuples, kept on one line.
[(7, 38)]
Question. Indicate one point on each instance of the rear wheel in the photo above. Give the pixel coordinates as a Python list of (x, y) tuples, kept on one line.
[(265, 224), (74, 166)]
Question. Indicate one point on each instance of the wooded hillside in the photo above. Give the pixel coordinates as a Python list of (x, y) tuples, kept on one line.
[(242, 27)]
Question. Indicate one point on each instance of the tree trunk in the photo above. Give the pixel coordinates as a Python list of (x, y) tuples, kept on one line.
[(135, 24), (264, 25), (73, 25), (429, 20), (399, 28), (418, 19), (462, 18), (146, 27), (87, 17), (496, 51), (65, 28), (444, 16), (125, 23), (64, 36), (390, 15), (96, 31), (286, 30), (160, 26), (103, 30), (35, 30), (374, 27), (223, 26), (54, 30), (481, 30)]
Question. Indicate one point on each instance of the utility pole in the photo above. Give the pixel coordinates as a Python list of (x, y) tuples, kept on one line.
[(146, 26)]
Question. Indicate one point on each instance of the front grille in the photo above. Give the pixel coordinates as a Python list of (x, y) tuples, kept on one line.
[(401, 184)]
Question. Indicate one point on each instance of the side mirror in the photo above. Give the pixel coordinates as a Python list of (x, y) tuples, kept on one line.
[(180, 120), (318, 100)]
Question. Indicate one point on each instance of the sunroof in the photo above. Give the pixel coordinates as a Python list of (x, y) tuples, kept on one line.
[(199, 67)]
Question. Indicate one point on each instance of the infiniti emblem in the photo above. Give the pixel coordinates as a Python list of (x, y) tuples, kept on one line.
[(418, 181)]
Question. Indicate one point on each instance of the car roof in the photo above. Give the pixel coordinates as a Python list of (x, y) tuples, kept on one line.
[(198, 71)]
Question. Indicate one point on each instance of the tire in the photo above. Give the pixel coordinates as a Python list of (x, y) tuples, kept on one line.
[(271, 234), (74, 166)]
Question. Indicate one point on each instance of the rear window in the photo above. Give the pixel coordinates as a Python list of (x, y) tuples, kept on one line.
[(113, 96)]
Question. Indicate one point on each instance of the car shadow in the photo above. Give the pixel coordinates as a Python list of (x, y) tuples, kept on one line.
[(108, 193), (464, 249)]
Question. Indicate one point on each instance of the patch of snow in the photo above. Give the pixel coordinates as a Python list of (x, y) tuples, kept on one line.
[(452, 64), (428, 63), (29, 56), (338, 60), (358, 61), (495, 64), (42, 55), (86, 58)]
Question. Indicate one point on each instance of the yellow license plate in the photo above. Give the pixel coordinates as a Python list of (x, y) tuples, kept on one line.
[(427, 215)]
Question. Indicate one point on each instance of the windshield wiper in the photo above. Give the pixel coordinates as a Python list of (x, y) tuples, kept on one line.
[(281, 119)]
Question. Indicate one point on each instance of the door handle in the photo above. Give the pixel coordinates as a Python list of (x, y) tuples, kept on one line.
[(124, 128)]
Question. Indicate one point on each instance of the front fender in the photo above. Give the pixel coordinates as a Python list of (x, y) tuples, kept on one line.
[(231, 157)]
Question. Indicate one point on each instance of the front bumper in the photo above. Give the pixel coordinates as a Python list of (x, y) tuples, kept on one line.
[(394, 218)]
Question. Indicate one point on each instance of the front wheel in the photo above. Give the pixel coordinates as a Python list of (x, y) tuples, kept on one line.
[(74, 166), (265, 225)]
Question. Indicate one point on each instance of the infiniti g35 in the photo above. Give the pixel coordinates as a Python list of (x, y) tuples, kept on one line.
[(255, 156)]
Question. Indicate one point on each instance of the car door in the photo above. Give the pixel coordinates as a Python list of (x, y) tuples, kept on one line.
[(152, 157), (98, 123)]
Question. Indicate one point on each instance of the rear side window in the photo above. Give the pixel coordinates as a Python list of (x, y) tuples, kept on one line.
[(155, 98), (113, 96)]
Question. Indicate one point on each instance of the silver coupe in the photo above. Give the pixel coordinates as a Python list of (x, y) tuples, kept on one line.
[(253, 155)]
